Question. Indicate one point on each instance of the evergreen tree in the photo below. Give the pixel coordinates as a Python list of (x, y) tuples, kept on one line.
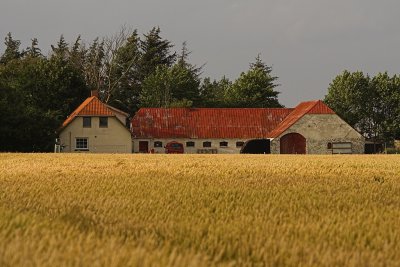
[(156, 51), (214, 94), (156, 90), (186, 78), (255, 88), (176, 86), (77, 54), (33, 50), (12, 50), (124, 88), (61, 50), (94, 65)]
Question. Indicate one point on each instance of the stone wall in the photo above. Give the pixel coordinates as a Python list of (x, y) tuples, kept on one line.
[(321, 129)]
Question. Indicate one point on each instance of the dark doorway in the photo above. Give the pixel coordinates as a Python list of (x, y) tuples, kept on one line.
[(143, 146), (293, 143), (373, 148), (256, 146)]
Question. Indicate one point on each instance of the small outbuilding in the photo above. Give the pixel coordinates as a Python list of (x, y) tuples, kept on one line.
[(310, 128)]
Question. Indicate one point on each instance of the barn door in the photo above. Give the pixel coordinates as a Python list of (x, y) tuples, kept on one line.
[(293, 143), (143, 146)]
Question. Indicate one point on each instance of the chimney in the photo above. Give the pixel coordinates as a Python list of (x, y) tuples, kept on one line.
[(94, 93)]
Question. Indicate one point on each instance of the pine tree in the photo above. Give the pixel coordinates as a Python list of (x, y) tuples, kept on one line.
[(12, 50), (61, 50), (77, 54), (33, 51), (94, 65), (255, 88), (156, 51), (214, 93), (124, 88)]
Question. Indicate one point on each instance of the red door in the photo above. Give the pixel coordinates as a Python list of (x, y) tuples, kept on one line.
[(174, 148), (293, 143), (143, 147)]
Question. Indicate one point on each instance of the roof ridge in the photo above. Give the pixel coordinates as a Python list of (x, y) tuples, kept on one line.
[(79, 109), (311, 104), (311, 107), (116, 109)]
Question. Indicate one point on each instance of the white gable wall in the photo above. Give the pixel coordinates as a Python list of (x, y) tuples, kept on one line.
[(113, 139)]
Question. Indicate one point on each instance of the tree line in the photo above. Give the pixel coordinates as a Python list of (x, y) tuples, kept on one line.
[(38, 91), (369, 104), (130, 71)]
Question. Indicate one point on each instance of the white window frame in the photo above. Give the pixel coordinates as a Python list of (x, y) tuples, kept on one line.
[(82, 143), (342, 147)]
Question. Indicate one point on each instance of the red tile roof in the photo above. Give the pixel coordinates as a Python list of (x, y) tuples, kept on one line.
[(242, 123), (207, 122), (92, 106), (310, 107)]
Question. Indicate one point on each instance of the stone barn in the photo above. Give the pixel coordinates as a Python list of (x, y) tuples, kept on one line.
[(310, 128)]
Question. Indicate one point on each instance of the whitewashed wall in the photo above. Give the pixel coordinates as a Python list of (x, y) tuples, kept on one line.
[(215, 144), (113, 139)]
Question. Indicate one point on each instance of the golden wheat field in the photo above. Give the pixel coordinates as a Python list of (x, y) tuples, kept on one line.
[(199, 210)]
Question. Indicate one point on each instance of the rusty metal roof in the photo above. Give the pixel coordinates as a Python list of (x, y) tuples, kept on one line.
[(207, 122), (92, 106), (309, 107)]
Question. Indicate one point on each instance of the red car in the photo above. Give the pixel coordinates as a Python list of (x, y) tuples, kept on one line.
[(174, 148)]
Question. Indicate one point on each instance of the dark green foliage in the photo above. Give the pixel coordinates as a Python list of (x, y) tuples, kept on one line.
[(255, 88), (213, 93), (33, 50), (36, 95), (371, 105), (61, 50), (12, 50), (176, 86), (38, 92), (348, 95), (156, 51), (123, 87), (93, 63)]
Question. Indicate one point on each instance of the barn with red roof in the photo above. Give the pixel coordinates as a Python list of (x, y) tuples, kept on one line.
[(310, 128)]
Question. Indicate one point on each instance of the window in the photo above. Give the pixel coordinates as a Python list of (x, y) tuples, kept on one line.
[(81, 143), (87, 122), (239, 144), (190, 144), (223, 144), (329, 145), (342, 148), (103, 122), (207, 144), (157, 144)]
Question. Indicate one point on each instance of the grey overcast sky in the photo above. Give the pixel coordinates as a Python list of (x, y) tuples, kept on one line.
[(308, 42)]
